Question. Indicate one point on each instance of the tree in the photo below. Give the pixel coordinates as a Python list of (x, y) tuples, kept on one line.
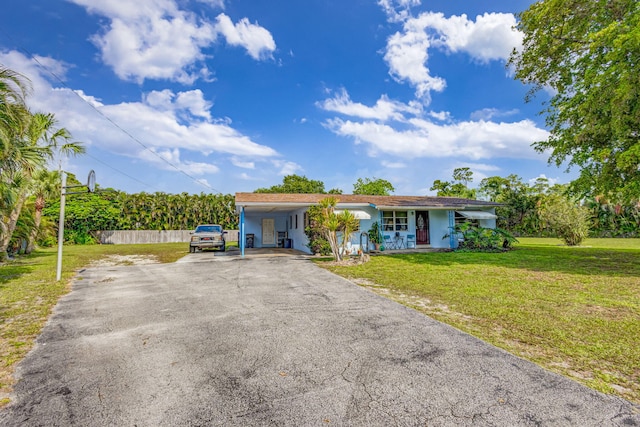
[(588, 53), (518, 214), (46, 185), (373, 187), (33, 145), (458, 187), (565, 217), (295, 184), (331, 225)]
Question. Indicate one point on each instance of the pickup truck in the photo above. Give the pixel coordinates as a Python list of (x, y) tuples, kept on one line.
[(207, 236)]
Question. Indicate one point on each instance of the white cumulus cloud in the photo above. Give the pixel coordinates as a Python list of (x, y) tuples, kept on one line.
[(176, 126), (469, 140), (156, 39), (384, 109), (490, 37), (255, 39)]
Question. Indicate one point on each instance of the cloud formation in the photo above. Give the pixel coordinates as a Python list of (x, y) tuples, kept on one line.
[(470, 140), (169, 124), (490, 37), (385, 108), (405, 130), (155, 39), (255, 39)]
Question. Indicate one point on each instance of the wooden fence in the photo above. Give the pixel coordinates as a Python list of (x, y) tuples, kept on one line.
[(126, 237)]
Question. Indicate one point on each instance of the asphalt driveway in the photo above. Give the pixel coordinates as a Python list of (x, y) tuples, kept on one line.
[(225, 341)]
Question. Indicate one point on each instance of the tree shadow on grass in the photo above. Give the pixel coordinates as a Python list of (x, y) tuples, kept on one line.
[(563, 259), (14, 269)]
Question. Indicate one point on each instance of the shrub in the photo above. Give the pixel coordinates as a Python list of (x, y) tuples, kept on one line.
[(483, 239), (566, 218)]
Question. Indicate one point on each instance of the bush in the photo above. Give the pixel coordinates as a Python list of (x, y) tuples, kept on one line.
[(566, 218), (483, 239)]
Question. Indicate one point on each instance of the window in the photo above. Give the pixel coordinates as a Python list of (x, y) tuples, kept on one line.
[(290, 222), (296, 221), (395, 220), (460, 219)]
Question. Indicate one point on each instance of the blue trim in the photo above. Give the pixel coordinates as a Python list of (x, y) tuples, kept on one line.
[(452, 229), (242, 232)]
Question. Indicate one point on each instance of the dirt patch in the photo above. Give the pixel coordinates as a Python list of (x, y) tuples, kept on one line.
[(113, 260)]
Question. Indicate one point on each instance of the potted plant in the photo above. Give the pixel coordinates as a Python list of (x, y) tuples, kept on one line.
[(375, 236)]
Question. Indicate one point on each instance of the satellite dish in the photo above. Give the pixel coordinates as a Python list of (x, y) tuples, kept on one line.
[(91, 181)]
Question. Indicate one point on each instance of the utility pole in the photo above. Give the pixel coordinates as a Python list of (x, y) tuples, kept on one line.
[(63, 189), (91, 187)]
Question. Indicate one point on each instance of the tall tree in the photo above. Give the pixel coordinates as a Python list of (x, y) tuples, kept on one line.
[(39, 142), (295, 184), (46, 185), (459, 187), (373, 187), (588, 54)]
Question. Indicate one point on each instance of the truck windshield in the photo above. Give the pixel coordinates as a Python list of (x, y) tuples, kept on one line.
[(208, 229)]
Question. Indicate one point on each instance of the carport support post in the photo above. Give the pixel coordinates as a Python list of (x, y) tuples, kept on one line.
[(452, 229), (242, 234)]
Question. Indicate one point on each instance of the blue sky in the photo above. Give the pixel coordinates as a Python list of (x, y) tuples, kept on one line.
[(231, 95)]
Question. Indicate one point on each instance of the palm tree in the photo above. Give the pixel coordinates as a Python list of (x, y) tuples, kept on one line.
[(30, 148), (46, 185)]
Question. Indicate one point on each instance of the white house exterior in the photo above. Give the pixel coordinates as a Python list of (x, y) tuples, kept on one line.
[(270, 220)]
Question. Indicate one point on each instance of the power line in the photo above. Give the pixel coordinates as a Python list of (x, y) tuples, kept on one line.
[(107, 118), (119, 171)]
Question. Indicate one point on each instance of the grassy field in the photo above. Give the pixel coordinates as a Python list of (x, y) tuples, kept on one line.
[(28, 292), (572, 310)]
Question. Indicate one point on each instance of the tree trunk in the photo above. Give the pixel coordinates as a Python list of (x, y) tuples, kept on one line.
[(11, 223), (31, 245)]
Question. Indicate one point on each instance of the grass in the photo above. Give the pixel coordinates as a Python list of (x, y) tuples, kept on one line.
[(572, 310), (28, 292)]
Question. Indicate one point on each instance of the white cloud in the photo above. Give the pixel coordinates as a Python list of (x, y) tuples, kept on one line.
[(393, 165), (242, 163), (286, 168), (155, 39), (255, 39), (170, 124), (169, 159), (407, 55), (490, 37), (214, 3), (385, 109), (441, 115), (151, 39), (490, 113), (397, 10), (470, 140)]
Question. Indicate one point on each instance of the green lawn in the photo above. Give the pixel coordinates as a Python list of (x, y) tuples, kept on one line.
[(573, 310)]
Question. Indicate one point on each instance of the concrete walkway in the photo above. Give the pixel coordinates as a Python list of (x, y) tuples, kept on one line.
[(274, 341)]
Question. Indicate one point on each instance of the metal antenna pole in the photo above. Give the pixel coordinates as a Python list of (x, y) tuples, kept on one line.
[(61, 224)]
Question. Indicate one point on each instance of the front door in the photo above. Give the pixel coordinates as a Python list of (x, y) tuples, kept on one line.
[(422, 228), (268, 232)]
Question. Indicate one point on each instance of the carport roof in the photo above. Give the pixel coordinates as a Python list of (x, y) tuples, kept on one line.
[(280, 200)]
